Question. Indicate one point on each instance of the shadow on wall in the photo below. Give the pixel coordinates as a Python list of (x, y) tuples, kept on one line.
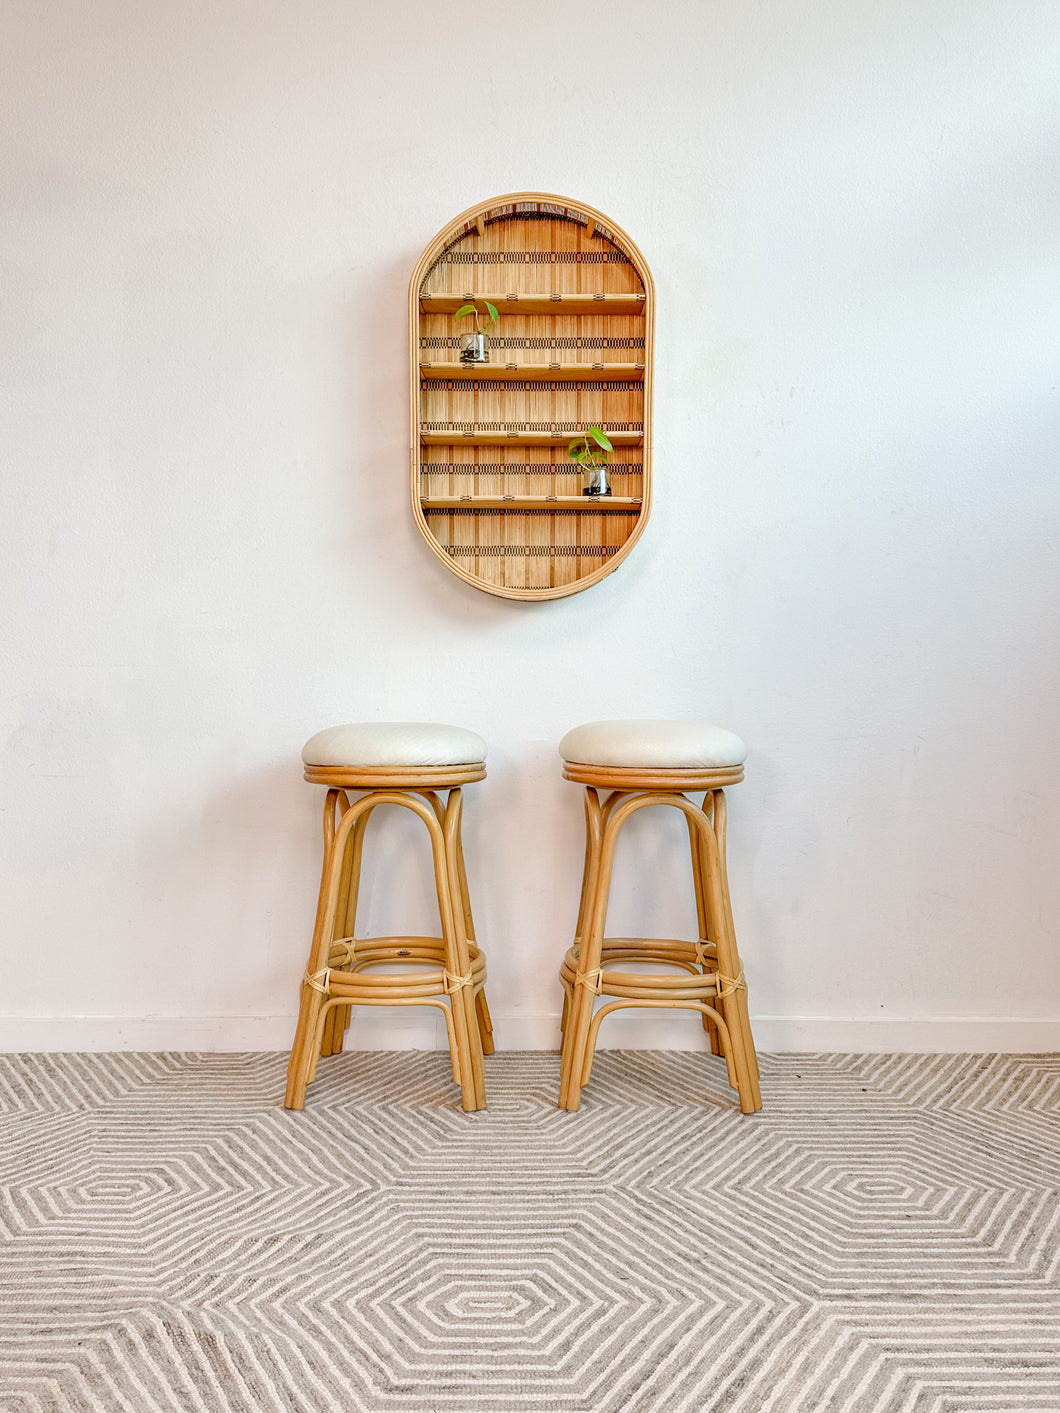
[(376, 493), (229, 885), (230, 879)]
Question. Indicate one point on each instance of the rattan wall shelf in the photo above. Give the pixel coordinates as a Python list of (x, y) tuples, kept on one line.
[(494, 492)]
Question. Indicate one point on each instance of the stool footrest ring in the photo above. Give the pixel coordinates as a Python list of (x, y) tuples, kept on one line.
[(691, 984)]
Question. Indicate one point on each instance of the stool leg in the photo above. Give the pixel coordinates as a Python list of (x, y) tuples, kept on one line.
[(301, 1064), (331, 1040), (596, 884), (720, 822), (455, 1060), (485, 1023), (482, 1010), (593, 831), (579, 928), (731, 1002), (711, 932), (458, 963), (703, 919), (338, 1018), (465, 1012)]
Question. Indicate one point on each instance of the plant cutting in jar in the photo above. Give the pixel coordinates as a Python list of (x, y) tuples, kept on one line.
[(473, 346), (590, 451)]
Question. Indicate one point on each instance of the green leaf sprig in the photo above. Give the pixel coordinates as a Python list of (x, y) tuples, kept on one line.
[(591, 448), (466, 309)]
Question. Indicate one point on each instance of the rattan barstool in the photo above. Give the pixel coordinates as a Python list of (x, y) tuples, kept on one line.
[(405, 764), (636, 764)]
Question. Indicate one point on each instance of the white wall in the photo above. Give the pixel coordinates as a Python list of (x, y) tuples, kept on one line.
[(210, 214)]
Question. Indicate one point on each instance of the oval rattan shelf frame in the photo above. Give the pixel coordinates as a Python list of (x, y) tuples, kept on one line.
[(577, 303)]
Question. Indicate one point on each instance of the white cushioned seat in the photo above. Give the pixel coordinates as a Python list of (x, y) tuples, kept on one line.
[(653, 745), (400, 743)]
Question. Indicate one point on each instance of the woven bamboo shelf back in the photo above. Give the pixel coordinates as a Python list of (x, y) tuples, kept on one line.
[(494, 493)]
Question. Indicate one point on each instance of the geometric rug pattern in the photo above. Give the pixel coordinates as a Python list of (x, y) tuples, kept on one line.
[(884, 1237)]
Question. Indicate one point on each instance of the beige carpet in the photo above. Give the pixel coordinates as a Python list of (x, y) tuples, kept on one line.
[(883, 1238)]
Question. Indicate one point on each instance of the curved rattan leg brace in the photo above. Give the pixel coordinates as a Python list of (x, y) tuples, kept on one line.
[(718, 991), (462, 896), (740, 995), (346, 921), (333, 957), (706, 931), (578, 1000)]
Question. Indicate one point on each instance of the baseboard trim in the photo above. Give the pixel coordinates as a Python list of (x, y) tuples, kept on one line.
[(402, 1029)]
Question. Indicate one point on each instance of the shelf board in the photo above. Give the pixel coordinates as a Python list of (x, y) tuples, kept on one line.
[(538, 303), (521, 439), (538, 372), (589, 503)]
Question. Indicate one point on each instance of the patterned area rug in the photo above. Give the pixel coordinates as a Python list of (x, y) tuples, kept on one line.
[(884, 1237)]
